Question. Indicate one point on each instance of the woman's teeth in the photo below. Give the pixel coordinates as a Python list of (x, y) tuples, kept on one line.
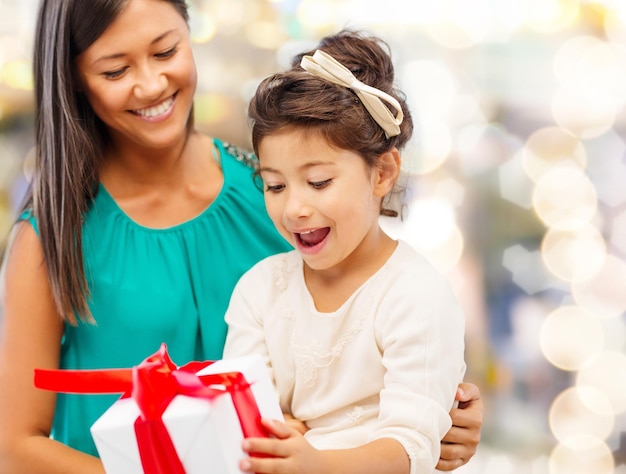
[(157, 109)]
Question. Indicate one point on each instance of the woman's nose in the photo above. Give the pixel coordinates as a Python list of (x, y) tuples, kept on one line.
[(150, 83)]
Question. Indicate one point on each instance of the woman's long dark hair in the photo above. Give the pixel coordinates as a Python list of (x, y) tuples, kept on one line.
[(70, 142)]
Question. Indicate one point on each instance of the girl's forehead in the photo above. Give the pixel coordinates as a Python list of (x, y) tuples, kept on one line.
[(303, 151)]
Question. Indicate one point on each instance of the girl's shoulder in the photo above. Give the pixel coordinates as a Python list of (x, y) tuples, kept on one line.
[(274, 270)]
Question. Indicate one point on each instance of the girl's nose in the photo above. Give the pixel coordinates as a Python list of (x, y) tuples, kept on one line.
[(296, 206)]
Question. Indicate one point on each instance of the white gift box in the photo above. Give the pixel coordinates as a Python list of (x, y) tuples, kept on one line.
[(206, 434)]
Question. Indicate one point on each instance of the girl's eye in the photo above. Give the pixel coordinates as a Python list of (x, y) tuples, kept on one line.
[(114, 74), (276, 188), (167, 54), (320, 184)]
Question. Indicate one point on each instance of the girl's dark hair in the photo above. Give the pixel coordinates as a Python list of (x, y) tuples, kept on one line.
[(298, 98), (70, 142)]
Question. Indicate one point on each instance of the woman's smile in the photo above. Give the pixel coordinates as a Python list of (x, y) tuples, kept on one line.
[(157, 112)]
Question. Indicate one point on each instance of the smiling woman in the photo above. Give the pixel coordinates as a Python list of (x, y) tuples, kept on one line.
[(131, 210), (140, 78)]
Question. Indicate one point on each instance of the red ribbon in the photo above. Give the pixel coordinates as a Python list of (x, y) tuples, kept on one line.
[(153, 384)]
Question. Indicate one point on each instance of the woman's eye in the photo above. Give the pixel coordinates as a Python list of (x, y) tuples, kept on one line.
[(320, 184), (114, 74), (167, 54)]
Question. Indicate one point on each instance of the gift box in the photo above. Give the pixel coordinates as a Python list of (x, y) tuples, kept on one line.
[(173, 420)]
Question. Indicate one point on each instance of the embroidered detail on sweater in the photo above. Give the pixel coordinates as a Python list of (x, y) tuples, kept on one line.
[(281, 273), (310, 358), (356, 415)]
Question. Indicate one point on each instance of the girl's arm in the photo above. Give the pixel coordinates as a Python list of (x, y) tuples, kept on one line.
[(30, 337), (293, 454)]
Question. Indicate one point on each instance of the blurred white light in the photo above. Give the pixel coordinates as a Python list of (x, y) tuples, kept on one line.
[(461, 24), (565, 198), (549, 147), (590, 456), (317, 14), (586, 116), (604, 294), (567, 58), (606, 372), (431, 229), (618, 232), (569, 336), (202, 27), (601, 68), (430, 86), (549, 16), (265, 34), (615, 21), (571, 420), (573, 255), (436, 144)]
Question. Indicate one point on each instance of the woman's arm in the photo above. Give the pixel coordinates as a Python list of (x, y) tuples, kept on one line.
[(460, 443), (30, 337)]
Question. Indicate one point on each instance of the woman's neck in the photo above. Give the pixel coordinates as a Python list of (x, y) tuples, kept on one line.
[(164, 189), (128, 164)]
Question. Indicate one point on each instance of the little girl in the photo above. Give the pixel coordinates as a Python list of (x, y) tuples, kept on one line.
[(363, 337)]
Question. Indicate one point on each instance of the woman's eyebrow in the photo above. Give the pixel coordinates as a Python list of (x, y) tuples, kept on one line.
[(121, 55)]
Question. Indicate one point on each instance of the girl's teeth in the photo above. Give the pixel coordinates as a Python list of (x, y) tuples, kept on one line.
[(157, 110)]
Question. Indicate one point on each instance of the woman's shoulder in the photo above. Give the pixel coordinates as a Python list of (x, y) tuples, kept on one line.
[(231, 153), (27, 215), (240, 182), (23, 256)]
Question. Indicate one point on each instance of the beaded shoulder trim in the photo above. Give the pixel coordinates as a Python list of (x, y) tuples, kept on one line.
[(247, 157)]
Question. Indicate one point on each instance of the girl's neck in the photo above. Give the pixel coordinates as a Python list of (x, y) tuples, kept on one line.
[(331, 288)]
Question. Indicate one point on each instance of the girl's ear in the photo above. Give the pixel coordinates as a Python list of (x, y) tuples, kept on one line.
[(387, 172)]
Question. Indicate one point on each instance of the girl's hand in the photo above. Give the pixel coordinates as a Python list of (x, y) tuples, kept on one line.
[(460, 443), (288, 452)]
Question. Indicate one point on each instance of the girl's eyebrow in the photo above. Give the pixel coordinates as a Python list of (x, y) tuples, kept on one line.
[(121, 55), (267, 169), (305, 166)]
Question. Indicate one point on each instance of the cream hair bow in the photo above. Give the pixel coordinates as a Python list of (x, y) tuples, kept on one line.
[(323, 65)]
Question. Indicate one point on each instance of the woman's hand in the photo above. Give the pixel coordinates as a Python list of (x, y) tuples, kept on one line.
[(460, 443)]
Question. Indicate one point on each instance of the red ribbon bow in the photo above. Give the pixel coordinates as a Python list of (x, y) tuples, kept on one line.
[(153, 384)]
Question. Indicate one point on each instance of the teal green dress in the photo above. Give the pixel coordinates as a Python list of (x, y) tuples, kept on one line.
[(150, 286)]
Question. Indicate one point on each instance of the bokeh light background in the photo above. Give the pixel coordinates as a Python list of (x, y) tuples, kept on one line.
[(516, 186)]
